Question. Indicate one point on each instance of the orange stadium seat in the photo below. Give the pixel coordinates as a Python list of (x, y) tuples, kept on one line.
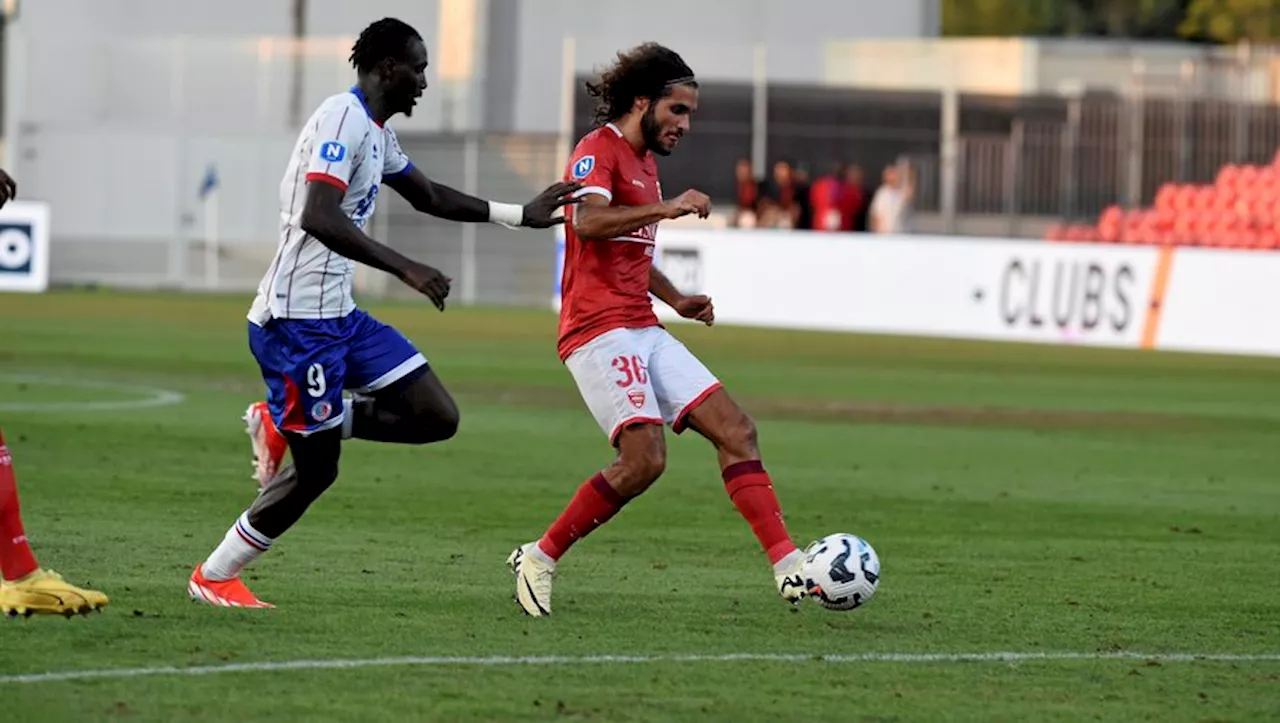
[(1239, 210)]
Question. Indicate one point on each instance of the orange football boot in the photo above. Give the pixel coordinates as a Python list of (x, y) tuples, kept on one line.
[(269, 445), (224, 594)]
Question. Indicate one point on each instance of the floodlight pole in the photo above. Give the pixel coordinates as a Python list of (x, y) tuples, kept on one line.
[(299, 35)]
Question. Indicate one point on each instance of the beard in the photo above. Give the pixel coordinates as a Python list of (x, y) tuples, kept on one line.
[(650, 130), (407, 102)]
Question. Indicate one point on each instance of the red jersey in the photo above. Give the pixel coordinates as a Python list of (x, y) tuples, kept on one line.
[(605, 285)]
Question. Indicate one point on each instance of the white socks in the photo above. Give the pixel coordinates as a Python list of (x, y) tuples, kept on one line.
[(348, 418), (241, 546), (543, 557), (782, 565)]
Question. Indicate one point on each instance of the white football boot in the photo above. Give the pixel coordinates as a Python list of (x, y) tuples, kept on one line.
[(533, 580), (789, 575)]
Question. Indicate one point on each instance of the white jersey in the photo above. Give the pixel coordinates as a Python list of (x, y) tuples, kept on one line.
[(341, 145)]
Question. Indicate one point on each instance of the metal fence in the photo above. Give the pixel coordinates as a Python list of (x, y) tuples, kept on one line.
[(1013, 158), (488, 263), (1046, 156)]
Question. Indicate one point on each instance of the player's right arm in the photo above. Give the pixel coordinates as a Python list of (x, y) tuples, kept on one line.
[(322, 217), (337, 144), (697, 306), (593, 218)]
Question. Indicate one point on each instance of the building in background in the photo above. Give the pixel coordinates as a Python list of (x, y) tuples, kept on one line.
[(1006, 136), (142, 97)]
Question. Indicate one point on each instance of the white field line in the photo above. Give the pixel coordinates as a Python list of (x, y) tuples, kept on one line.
[(573, 660), (148, 397)]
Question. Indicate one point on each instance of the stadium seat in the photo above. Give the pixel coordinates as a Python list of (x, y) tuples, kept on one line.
[(1240, 209)]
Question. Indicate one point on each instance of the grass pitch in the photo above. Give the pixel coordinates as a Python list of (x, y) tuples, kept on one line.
[(1024, 499)]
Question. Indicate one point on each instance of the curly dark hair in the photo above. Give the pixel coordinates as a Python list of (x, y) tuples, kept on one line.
[(385, 38), (645, 71)]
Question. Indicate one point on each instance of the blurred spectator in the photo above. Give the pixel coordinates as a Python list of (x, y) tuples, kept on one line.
[(839, 200), (891, 207), (748, 195), (827, 198), (781, 191), (769, 214), (804, 219), (854, 207)]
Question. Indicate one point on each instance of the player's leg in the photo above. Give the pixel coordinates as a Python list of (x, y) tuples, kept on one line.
[(303, 364), (284, 499), (416, 409), (296, 486), (691, 397), (26, 588), (641, 459), (396, 398), (278, 506), (16, 558), (611, 373)]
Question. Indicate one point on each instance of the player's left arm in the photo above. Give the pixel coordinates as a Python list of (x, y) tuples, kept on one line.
[(697, 307), (441, 201)]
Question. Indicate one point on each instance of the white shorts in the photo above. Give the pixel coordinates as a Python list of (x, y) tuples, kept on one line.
[(630, 376)]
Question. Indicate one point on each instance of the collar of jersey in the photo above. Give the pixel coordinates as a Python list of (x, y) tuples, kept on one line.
[(618, 132), (359, 94)]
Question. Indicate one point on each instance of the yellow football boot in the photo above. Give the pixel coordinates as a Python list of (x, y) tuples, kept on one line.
[(44, 592)]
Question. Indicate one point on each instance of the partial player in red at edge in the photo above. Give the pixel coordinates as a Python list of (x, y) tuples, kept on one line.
[(25, 587)]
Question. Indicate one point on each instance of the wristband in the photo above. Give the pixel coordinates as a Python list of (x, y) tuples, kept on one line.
[(506, 214)]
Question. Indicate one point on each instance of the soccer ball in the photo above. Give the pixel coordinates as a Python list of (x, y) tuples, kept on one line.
[(841, 571)]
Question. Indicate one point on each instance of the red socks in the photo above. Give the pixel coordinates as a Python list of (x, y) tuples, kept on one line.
[(591, 507), (751, 490), (748, 486), (16, 559)]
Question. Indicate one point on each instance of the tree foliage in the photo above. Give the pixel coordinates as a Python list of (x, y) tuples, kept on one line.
[(1230, 21), (1220, 21)]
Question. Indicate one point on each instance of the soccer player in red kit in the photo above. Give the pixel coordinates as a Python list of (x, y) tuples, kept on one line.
[(25, 587), (634, 376)]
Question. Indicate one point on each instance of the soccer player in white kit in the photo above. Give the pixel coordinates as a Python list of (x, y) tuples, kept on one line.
[(308, 336)]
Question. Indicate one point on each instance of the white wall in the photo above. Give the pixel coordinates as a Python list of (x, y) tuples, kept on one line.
[(717, 39), (126, 61), (103, 58), (122, 105), (1110, 295), (164, 18)]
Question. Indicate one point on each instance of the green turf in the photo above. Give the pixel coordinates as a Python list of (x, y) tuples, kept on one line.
[(1021, 498)]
